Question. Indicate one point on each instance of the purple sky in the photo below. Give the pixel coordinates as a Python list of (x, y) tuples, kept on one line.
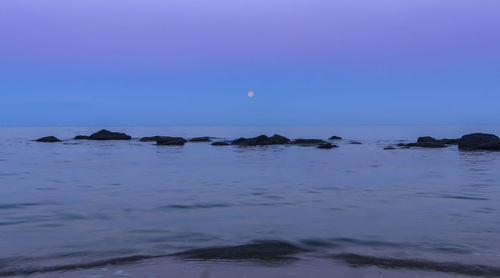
[(309, 62)]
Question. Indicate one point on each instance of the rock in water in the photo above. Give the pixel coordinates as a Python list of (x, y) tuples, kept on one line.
[(161, 138), (355, 143), (427, 145), (277, 139), (200, 139), (81, 137), (170, 141), (48, 139), (261, 141), (108, 135), (479, 141), (308, 142), (220, 144), (335, 138), (327, 146), (427, 139)]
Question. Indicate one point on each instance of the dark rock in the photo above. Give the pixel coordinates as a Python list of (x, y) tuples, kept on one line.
[(401, 145), (326, 146), (156, 138), (355, 143), (308, 142), (108, 135), (261, 141), (81, 137), (389, 148), (262, 250), (335, 138), (200, 139), (277, 139), (427, 139), (220, 144), (449, 141), (427, 145), (48, 139), (479, 141), (170, 141)]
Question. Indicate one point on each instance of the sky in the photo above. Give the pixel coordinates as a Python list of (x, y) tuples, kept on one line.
[(193, 62)]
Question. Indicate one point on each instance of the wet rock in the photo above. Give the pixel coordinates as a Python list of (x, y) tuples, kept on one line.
[(327, 146), (389, 148), (308, 142), (220, 144), (427, 145), (449, 141), (81, 137), (262, 250), (156, 138), (48, 139), (200, 139), (108, 135), (479, 141), (170, 141), (427, 139), (261, 140), (355, 143), (335, 138)]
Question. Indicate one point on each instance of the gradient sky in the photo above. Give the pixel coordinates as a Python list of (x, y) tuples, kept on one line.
[(192, 62)]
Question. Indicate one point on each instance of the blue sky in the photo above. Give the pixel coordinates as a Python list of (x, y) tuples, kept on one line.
[(188, 62)]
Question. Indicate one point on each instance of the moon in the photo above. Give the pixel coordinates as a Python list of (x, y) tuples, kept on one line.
[(251, 94)]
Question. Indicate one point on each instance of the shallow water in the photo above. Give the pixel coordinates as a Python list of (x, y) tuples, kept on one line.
[(79, 202)]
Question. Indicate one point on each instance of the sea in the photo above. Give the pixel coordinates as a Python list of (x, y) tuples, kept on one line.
[(94, 209)]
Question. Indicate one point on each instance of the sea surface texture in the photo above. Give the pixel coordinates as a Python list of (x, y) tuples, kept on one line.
[(85, 204)]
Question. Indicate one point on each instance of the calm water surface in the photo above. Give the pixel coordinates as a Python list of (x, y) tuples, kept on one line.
[(82, 201)]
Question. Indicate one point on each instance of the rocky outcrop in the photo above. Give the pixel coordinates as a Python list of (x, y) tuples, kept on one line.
[(426, 145), (335, 138), (200, 139), (308, 142), (261, 141), (81, 137), (220, 144), (327, 146), (479, 141), (108, 135), (48, 139), (170, 141), (429, 139)]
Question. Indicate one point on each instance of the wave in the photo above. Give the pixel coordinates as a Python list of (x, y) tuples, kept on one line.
[(355, 260)]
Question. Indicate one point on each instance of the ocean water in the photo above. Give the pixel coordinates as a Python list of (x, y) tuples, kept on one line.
[(77, 208)]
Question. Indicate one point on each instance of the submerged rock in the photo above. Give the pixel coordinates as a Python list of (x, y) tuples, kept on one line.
[(261, 140), (156, 138), (170, 141), (389, 148), (200, 139), (81, 137), (220, 144), (479, 141), (308, 142), (108, 135), (48, 139), (335, 138), (426, 145), (355, 143), (261, 250), (327, 146), (429, 139)]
